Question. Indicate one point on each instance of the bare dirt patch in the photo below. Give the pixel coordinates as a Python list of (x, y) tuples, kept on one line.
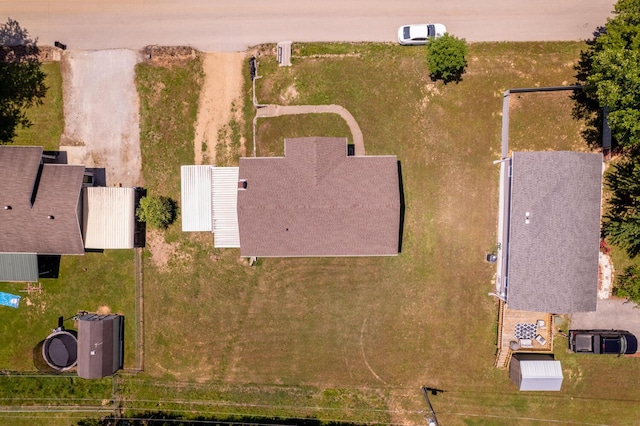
[(161, 251), (103, 310), (290, 95), (220, 106)]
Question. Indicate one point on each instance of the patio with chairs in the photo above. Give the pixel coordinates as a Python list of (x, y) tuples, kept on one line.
[(522, 331)]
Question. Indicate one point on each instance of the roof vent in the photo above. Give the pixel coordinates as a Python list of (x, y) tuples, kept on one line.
[(526, 218), (8, 207), (50, 217), (242, 184)]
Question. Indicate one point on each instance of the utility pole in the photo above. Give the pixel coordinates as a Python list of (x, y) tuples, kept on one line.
[(431, 417)]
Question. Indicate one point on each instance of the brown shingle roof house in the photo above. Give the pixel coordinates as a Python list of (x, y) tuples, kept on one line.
[(38, 203), (318, 201)]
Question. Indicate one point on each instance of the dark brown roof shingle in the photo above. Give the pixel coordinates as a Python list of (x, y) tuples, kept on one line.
[(317, 201)]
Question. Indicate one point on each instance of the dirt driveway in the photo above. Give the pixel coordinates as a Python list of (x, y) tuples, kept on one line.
[(101, 108), (220, 103)]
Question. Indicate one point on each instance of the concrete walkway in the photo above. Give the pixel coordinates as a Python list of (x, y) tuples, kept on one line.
[(277, 110)]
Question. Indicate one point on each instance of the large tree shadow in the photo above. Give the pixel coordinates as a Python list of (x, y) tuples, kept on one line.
[(16, 45), (586, 107), (21, 79), (170, 418)]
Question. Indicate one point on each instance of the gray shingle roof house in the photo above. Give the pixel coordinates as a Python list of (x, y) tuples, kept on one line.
[(38, 203), (554, 231), (100, 345), (318, 201)]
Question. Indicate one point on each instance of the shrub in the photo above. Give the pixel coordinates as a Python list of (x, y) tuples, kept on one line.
[(628, 284), (157, 212), (446, 57)]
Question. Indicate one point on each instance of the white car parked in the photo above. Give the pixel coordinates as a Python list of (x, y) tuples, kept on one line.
[(416, 34)]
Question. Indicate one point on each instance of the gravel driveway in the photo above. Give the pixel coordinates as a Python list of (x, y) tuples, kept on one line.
[(101, 109)]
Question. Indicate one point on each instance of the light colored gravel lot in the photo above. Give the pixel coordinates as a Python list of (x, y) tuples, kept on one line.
[(101, 108)]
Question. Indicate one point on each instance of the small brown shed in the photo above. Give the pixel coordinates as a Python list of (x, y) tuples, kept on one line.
[(100, 345)]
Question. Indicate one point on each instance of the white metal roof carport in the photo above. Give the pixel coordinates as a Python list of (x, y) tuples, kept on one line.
[(108, 217), (209, 197)]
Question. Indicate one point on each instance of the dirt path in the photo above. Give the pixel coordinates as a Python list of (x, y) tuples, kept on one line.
[(220, 102)]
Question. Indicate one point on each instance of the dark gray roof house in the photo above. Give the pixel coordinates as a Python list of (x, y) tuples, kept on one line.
[(554, 231), (100, 345), (42, 212), (318, 201), (38, 203)]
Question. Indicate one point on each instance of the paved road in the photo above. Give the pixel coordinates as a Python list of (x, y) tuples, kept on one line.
[(223, 25)]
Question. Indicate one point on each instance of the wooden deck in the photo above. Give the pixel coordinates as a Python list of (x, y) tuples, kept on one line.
[(507, 320)]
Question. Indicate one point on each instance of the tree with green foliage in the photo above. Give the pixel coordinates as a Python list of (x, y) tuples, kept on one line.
[(609, 71), (628, 284), (157, 212), (446, 57), (21, 79), (621, 223)]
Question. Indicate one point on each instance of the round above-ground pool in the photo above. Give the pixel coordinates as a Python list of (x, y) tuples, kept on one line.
[(60, 350)]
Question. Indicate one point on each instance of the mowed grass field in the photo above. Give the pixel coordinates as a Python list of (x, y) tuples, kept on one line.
[(355, 338), (95, 281), (47, 119), (90, 282), (335, 339)]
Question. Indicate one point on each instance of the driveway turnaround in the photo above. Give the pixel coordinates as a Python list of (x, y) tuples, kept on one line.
[(101, 109)]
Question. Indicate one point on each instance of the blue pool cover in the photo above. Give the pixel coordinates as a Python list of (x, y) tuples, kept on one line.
[(7, 299)]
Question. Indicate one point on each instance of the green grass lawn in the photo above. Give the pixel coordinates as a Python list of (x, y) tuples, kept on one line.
[(85, 283), (313, 337), (47, 119), (89, 282), (349, 339)]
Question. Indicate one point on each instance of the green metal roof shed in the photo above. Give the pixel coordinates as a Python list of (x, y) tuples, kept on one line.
[(19, 267)]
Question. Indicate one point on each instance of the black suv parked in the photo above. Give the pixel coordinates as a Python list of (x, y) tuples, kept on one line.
[(602, 342)]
